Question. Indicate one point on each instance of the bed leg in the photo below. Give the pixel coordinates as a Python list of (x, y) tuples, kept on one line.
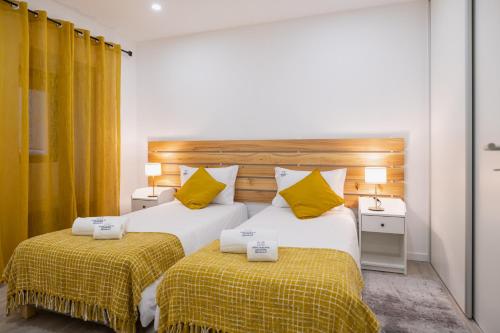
[(28, 311)]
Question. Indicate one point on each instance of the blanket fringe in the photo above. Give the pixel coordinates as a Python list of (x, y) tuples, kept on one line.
[(187, 328), (73, 308)]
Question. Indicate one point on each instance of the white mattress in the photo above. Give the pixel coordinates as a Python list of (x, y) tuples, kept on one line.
[(194, 228), (335, 229)]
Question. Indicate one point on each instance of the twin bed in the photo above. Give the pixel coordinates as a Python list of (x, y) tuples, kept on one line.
[(170, 254), (314, 287), (109, 281)]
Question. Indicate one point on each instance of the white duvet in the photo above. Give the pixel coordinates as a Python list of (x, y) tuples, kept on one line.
[(194, 228), (335, 229)]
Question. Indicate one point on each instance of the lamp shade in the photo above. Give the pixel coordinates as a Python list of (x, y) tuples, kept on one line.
[(376, 175), (152, 169)]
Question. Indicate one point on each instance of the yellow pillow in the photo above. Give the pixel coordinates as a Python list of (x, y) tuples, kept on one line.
[(311, 197), (199, 190)]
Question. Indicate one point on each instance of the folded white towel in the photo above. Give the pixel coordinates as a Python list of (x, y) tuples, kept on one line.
[(262, 251), (84, 226), (236, 240), (109, 231)]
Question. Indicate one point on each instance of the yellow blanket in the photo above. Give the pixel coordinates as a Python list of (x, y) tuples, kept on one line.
[(307, 290), (99, 280)]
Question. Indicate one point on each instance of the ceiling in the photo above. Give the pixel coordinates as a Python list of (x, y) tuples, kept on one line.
[(135, 20)]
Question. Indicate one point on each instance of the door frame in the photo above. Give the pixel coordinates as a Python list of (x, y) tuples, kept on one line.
[(470, 165)]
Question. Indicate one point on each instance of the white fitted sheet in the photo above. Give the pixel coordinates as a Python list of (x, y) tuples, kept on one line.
[(194, 228), (335, 229)]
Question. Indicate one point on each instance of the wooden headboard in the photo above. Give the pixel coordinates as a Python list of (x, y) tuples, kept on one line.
[(257, 159)]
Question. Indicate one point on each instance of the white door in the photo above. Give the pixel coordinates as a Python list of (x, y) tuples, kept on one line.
[(487, 169)]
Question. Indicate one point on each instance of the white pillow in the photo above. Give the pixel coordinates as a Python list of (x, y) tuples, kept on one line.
[(286, 178), (225, 175)]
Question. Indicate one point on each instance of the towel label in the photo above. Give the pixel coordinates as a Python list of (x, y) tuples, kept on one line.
[(105, 227), (261, 247), (98, 220), (246, 233)]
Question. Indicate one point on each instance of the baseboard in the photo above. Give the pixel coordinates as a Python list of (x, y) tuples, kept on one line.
[(418, 256)]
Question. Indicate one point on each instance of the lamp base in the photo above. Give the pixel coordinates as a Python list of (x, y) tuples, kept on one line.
[(376, 209)]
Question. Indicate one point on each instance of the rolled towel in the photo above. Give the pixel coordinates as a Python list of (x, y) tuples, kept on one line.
[(109, 231), (236, 240), (84, 226), (262, 251)]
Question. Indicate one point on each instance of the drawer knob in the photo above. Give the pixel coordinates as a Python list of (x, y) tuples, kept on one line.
[(382, 225), (143, 206)]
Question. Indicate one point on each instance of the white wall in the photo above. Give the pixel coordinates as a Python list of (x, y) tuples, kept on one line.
[(450, 118), (354, 74), (129, 173)]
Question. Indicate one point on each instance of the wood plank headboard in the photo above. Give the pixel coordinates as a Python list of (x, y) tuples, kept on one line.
[(257, 159)]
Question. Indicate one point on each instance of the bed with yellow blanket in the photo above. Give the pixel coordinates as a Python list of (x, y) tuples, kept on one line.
[(113, 281), (311, 288), (93, 280)]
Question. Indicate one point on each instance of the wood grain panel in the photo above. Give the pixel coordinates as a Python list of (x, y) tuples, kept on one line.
[(321, 145), (269, 184), (266, 197), (258, 158), (350, 187), (253, 196), (335, 158), (358, 173)]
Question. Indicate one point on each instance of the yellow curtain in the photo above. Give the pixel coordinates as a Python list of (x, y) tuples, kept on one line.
[(14, 124), (52, 200), (83, 122), (97, 126), (105, 138), (59, 123)]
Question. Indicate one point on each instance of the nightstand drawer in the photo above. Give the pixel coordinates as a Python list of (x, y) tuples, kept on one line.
[(142, 197), (138, 204), (384, 224)]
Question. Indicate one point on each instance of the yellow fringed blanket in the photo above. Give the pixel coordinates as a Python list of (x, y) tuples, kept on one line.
[(98, 280), (307, 290)]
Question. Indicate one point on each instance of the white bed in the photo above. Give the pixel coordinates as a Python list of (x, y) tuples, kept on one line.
[(194, 228), (335, 229)]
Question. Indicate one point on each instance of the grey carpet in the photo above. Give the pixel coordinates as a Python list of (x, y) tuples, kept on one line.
[(415, 303), (409, 304)]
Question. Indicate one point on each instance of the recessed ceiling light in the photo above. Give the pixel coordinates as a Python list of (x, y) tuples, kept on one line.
[(156, 7)]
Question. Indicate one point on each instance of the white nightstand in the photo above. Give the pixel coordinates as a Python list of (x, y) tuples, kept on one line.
[(382, 235), (141, 197)]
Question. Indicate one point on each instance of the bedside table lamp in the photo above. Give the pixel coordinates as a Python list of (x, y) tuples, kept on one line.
[(152, 170), (376, 176)]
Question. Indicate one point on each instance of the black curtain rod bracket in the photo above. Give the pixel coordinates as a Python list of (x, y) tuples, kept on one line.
[(59, 24)]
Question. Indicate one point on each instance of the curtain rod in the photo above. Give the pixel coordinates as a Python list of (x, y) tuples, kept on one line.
[(15, 4)]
